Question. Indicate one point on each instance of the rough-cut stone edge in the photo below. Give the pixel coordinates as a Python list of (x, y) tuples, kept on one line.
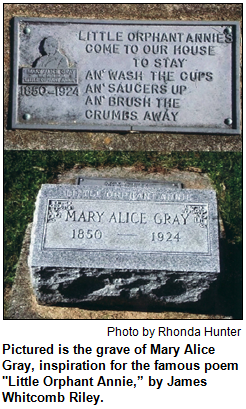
[(23, 305), (119, 288)]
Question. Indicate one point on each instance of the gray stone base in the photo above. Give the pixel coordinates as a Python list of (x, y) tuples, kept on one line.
[(142, 290), (222, 300)]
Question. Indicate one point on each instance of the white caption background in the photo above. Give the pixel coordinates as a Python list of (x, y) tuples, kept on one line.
[(224, 387)]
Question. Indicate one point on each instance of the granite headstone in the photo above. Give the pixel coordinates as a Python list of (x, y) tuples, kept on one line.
[(97, 244)]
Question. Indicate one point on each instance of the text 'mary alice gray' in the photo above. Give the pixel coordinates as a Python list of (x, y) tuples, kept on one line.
[(126, 75)]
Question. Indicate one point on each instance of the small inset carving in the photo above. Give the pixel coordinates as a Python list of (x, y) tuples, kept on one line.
[(56, 209), (200, 212), (51, 68), (51, 57)]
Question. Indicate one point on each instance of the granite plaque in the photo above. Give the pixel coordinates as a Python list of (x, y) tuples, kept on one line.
[(81, 180), (126, 75), (121, 227)]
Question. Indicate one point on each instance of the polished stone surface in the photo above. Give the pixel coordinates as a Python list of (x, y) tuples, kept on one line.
[(125, 228)]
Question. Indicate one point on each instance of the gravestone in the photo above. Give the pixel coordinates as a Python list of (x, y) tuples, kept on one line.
[(123, 246), (81, 180), (153, 76)]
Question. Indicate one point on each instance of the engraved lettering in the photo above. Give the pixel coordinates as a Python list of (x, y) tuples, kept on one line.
[(94, 88), (168, 102), (127, 75), (162, 76), (49, 76), (95, 75), (196, 76), (87, 234), (161, 116), (129, 101), (103, 48), (100, 36), (169, 62), (185, 218), (166, 218), (155, 36), (126, 217), (194, 50), (165, 236), (114, 115), (70, 215), (95, 101), (155, 49)]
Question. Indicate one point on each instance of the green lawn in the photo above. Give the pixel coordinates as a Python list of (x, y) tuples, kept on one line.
[(25, 171)]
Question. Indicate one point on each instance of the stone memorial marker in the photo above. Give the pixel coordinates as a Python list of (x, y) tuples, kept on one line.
[(81, 180), (126, 75), (94, 241)]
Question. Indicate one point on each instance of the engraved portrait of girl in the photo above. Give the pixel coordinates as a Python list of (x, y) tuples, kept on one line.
[(52, 58)]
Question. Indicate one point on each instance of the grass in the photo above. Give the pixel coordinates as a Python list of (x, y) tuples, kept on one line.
[(25, 171)]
